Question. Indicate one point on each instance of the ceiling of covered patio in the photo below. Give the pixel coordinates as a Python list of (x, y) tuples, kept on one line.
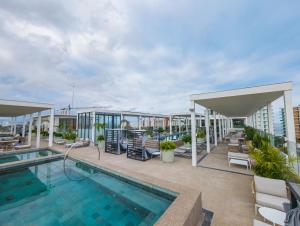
[(13, 108), (241, 102)]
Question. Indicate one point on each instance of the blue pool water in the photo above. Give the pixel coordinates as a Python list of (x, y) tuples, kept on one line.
[(26, 155), (45, 194)]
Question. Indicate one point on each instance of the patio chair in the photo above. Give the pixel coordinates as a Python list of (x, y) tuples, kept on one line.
[(22, 146), (270, 193), (239, 159), (234, 145), (60, 141)]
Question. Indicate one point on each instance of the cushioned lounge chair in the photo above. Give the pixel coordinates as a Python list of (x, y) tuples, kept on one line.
[(270, 193), (22, 146)]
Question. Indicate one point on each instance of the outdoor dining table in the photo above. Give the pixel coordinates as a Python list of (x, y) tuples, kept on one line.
[(7, 143)]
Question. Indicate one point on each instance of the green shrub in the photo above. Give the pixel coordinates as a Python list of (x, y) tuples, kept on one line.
[(57, 134), (44, 133), (271, 163), (201, 133), (160, 130), (167, 145), (187, 139), (100, 138), (69, 135)]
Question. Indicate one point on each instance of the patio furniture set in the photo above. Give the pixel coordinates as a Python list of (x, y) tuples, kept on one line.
[(10, 142), (271, 200)]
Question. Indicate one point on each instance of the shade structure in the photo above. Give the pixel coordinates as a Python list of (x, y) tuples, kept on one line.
[(14, 108), (244, 102), (241, 102)]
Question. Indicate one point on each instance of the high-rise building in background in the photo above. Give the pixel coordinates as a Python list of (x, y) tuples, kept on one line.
[(296, 111), (262, 119)]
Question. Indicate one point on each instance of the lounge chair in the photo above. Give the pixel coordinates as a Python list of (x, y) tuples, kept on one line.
[(239, 159), (60, 141), (234, 145), (270, 193), (79, 144), (22, 146)]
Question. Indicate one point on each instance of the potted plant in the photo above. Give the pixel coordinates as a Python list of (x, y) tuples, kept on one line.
[(101, 142), (167, 151), (70, 136), (100, 138), (187, 140), (201, 134)]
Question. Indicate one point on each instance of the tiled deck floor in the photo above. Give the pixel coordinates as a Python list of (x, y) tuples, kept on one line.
[(227, 194)]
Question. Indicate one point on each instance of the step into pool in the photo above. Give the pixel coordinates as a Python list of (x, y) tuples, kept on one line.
[(30, 154), (78, 194)]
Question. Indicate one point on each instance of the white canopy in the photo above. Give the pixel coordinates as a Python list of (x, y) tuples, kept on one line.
[(13, 108), (241, 102)]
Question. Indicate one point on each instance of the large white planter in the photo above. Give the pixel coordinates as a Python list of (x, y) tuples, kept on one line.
[(167, 156), (101, 145)]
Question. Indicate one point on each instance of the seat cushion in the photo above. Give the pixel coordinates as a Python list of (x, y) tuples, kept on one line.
[(237, 155), (259, 223), (270, 186), (274, 202)]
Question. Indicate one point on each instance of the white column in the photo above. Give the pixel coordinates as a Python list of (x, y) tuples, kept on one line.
[(193, 131), (220, 129), (207, 123), (15, 126), (289, 117), (231, 123), (51, 128), (170, 124), (11, 125), (179, 125), (38, 130), (186, 125), (93, 127), (270, 119), (140, 122), (215, 129), (30, 129), (24, 125)]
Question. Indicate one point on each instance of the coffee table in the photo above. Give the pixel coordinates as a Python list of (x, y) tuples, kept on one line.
[(277, 217)]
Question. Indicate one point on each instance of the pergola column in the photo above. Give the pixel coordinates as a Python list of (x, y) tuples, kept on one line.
[(30, 129), (215, 129), (289, 120), (270, 119), (207, 124), (11, 125), (24, 125), (170, 124), (220, 129), (231, 123), (15, 126), (186, 125), (193, 133), (51, 127), (140, 122), (38, 130)]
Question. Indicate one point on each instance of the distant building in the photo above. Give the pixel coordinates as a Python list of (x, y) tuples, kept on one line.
[(296, 111), (262, 119)]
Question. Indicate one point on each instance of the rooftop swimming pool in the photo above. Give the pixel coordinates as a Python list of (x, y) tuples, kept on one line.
[(77, 194), (31, 154)]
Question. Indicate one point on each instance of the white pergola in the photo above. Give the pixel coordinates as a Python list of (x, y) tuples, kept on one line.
[(241, 103), (13, 109)]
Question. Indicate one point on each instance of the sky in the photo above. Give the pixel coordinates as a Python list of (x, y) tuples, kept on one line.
[(145, 55)]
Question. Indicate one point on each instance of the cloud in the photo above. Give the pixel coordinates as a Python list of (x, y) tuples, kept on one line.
[(144, 55)]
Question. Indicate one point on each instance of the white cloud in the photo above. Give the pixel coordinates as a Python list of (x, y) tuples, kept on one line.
[(127, 55)]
